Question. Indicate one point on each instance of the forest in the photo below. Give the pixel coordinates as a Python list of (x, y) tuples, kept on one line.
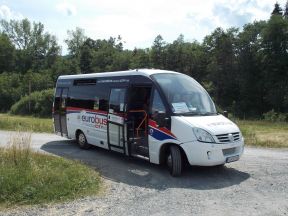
[(245, 70)]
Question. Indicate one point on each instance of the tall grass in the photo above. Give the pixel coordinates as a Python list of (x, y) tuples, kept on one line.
[(21, 123), (28, 177), (264, 133)]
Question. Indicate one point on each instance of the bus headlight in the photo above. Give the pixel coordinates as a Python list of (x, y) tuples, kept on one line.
[(203, 136)]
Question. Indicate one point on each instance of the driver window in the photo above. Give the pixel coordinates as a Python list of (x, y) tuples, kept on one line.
[(157, 105)]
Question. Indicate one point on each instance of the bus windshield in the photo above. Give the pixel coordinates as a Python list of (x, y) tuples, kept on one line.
[(184, 95)]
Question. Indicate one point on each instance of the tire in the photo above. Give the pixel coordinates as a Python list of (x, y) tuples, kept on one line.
[(82, 141), (174, 161)]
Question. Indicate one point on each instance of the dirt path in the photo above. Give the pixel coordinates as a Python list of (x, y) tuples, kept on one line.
[(255, 185)]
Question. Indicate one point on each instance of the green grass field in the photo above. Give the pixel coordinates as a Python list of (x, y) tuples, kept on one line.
[(25, 123), (28, 177), (264, 134)]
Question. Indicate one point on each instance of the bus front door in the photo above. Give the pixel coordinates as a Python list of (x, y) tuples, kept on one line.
[(59, 114), (137, 121), (116, 123)]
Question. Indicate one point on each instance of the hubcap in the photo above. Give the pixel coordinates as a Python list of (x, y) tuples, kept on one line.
[(81, 139)]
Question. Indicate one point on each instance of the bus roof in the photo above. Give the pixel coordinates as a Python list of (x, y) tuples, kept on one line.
[(143, 72)]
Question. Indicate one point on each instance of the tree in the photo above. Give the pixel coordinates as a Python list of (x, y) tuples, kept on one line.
[(7, 54), (221, 65), (277, 10), (286, 11), (36, 49), (274, 63), (140, 59), (158, 53), (10, 90), (86, 57), (249, 60), (75, 41)]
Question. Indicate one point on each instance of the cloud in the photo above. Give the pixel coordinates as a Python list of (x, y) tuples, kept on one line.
[(230, 16), (67, 9), (7, 13)]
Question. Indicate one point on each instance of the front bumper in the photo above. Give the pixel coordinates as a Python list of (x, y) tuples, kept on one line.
[(211, 154)]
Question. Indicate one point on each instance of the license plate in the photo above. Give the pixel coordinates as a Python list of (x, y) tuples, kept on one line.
[(231, 159)]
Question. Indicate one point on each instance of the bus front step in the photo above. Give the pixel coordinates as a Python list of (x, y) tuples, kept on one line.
[(141, 150), (140, 156)]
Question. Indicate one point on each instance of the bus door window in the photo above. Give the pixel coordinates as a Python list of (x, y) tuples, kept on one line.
[(117, 100), (158, 111), (157, 105)]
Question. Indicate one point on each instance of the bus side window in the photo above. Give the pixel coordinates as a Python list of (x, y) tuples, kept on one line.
[(157, 105)]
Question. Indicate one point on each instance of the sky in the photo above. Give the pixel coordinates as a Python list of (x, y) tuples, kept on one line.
[(138, 22)]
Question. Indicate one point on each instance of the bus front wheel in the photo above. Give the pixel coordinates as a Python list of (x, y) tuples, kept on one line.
[(82, 141), (174, 161)]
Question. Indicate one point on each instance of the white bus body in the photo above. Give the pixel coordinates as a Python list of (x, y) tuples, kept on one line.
[(157, 115)]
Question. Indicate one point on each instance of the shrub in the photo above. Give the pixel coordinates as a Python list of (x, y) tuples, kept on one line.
[(40, 104), (275, 117), (10, 90)]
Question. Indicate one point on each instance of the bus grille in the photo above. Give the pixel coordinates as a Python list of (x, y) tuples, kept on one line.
[(226, 138)]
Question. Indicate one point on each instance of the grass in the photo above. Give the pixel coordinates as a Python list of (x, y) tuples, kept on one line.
[(23, 123), (264, 134), (28, 177)]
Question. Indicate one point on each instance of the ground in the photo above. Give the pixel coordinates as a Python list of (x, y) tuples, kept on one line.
[(255, 185)]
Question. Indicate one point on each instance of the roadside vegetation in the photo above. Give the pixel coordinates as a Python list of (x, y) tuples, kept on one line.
[(28, 177), (25, 123), (264, 133)]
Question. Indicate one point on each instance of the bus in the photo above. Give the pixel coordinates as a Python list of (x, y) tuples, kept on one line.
[(161, 116)]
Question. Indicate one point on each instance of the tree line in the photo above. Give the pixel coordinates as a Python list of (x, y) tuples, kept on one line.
[(244, 70)]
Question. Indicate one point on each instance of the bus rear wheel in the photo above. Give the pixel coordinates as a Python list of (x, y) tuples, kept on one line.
[(174, 161), (82, 141)]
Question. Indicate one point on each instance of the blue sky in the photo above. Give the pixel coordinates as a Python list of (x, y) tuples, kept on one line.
[(138, 22)]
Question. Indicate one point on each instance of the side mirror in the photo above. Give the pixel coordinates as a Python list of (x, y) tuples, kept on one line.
[(161, 119), (225, 113)]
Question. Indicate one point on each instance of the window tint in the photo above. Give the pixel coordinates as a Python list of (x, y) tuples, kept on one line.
[(89, 97), (117, 99), (157, 104), (57, 99)]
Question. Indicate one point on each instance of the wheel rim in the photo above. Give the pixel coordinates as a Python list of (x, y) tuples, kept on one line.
[(81, 139)]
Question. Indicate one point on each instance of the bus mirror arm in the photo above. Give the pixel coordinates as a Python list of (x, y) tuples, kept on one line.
[(161, 119)]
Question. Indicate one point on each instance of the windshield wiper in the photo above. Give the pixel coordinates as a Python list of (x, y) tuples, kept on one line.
[(208, 114), (189, 114)]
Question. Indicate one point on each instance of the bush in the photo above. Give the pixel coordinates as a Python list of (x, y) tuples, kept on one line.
[(10, 90), (41, 104), (275, 117)]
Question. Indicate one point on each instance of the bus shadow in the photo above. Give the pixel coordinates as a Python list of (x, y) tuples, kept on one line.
[(119, 168)]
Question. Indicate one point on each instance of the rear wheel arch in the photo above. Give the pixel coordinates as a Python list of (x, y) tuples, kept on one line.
[(83, 144), (77, 133)]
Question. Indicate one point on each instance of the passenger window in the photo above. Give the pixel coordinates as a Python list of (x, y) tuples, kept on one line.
[(157, 105), (117, 99), (57, 99)]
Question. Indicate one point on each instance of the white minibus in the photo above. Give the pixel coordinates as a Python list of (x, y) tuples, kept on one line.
[(156, 115)]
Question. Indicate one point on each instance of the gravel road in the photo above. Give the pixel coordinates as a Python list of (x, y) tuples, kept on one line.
[(255, 185)]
